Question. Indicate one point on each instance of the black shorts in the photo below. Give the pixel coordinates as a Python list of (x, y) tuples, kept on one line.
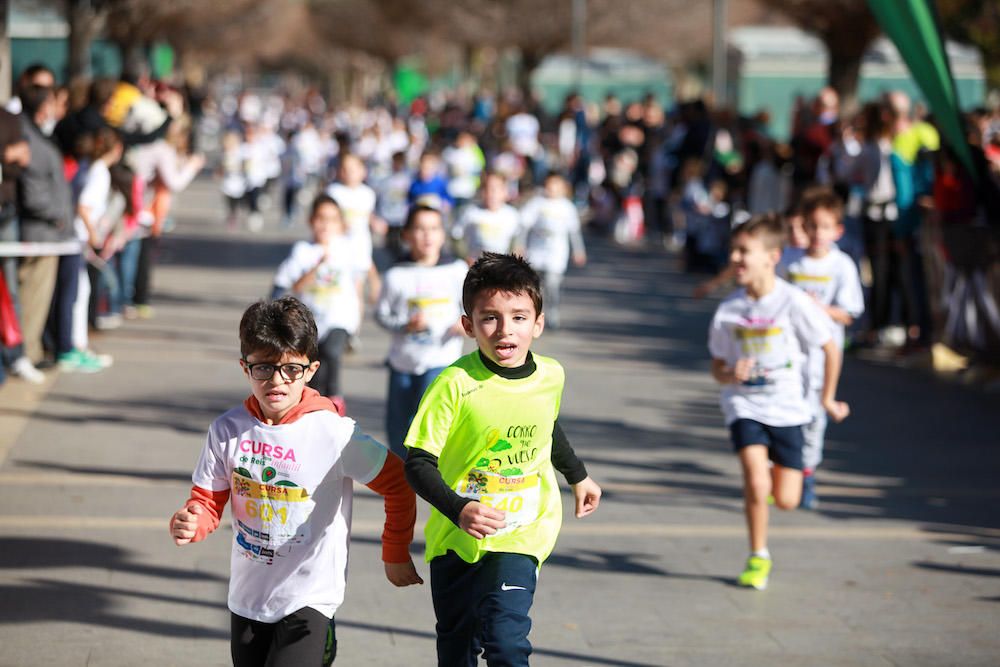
[(303, 638), (784, 443)]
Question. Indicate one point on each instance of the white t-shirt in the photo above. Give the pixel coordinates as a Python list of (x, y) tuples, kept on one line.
[(777, 331), (257, 162), (95, 195), (234, 181), (357, 204), (550, 225), (488, 231), (464, 167), (333, 296), (435, 291), (832, 280), (522, 129), (291, 500), (393, 193)]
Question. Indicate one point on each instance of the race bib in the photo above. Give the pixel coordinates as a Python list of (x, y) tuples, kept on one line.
[(270, 518), (519, 496)]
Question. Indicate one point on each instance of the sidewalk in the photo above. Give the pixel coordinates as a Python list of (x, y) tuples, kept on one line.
[(900, 566)]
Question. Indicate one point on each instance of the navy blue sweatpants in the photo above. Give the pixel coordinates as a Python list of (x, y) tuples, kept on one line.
[(483, 607)]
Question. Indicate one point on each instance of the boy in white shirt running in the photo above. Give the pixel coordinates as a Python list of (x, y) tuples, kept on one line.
[(759, 338), (357, 206), (550, 233), (492, 226), (288, 461), (327, 274), (829, 276), (421, 304)]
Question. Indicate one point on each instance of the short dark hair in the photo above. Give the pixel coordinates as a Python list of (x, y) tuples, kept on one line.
[(769, 227), (417, 209), (33, 97), (25, 78), (321, 200), (275, 327), (821, 197), (510, 274)]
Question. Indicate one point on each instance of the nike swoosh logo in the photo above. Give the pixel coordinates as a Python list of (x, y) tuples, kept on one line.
[(505, 587)]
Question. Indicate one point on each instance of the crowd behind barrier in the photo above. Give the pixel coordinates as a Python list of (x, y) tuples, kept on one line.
[(921, 228)]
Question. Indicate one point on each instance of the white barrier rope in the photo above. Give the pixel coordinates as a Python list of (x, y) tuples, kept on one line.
[(40, 249)]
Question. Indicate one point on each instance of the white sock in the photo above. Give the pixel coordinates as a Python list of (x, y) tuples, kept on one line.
[(761, 553)]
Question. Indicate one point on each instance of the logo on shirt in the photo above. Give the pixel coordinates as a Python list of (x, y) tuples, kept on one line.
[(507, 450)]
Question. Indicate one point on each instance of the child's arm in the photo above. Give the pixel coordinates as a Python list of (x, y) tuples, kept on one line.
[(309, 277), (726, 374), (585, 490), (838, 410), (400, 516), (199, 516), (579, 251), (839, 315), (471, 516)]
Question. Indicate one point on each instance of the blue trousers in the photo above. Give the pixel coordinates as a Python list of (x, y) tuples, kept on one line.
[(483, 607), (63, 300), (405, 392), (127, 263)]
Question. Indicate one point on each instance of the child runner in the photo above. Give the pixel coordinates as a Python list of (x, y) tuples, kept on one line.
[(233, 181), (430, 186), (758, 340), (465, 162), (327, 274), (483, 450), (289, 462), (421, 304), (829, 276), (357, 204), (551, 231), (491, 227), (391, 205)]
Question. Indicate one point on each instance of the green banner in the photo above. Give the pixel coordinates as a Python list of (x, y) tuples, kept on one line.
[(911, 25)]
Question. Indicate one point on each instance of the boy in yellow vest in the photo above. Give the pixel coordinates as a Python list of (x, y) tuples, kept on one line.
[(483, 449)]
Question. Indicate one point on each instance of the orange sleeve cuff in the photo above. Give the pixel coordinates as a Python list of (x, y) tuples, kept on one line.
[(400, 510), (214, 502)]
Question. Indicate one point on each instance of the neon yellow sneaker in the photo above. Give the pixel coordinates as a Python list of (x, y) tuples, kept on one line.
[(756, 573)]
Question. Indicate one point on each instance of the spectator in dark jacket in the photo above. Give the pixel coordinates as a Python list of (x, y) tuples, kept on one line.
[(46, 215)]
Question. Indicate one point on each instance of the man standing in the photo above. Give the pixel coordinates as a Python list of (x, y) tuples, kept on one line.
[(46, 209)]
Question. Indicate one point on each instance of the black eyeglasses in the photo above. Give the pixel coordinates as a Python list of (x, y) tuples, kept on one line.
[(265, 371)]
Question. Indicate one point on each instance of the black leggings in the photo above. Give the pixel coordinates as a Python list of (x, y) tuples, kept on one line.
[(301, 639), (331, 349)]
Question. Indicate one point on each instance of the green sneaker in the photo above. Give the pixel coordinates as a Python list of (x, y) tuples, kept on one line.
[(756, 573), (77, 361)]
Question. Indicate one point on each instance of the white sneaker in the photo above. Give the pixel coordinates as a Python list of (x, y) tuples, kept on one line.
[(107, 322), (24, 369)]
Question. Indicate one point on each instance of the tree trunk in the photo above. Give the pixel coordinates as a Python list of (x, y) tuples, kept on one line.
[(82, 20), (843, 75), (530, 60)]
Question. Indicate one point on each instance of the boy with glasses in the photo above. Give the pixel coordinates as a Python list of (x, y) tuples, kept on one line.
[(288, 461)]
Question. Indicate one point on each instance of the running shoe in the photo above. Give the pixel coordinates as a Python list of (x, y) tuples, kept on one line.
[(103, 360), (77, 361), (756, 573)]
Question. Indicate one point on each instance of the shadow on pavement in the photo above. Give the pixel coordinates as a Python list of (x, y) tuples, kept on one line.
[(244, 252), (576, 658), (47, 600)]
